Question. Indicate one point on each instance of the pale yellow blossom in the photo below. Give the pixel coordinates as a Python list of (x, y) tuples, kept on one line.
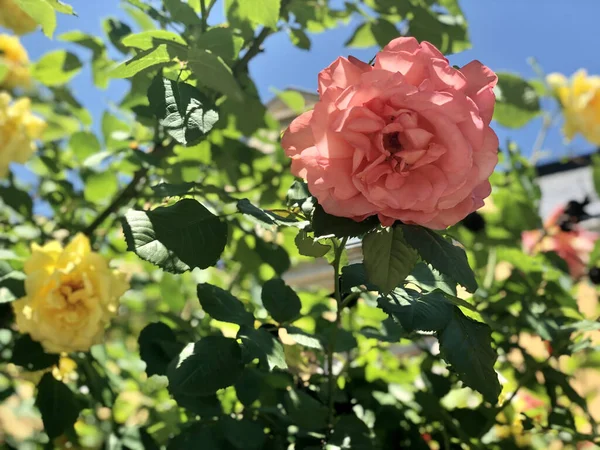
[(18, 129), (71, 296)]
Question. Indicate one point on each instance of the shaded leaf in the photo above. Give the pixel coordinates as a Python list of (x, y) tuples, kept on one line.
[(181, 109), (176, 237), (57, 404), (441, 254), (223, 306), (280, 300), (204, 367), (262, 345)]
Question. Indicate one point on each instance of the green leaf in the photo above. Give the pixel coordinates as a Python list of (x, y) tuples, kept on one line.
[(260, 344), (158, 346), (114, 131), (299, 38), (260, 12), (307, 246), (57, 404), (181, 110), (355, 275), (176, 238), (17, 199), (304, 411), (429, 279), (293, 100), (223, 306), (362, 37), (516, 101), (13, 281), (441, 254), (303, 338), (379, 32), (56, 68), (147, 58), (204, 367), (280, 300), (263, 216), (388, 259), (212, 72), (446, 32), (467, 346), (30, 354), (84, 144), (324, 224), (116, 31), (221, 42), (248, 386), (88, 41), (182, 12), (274, 255), (100, 186), (62, 7), (147, 40), (464, 343), (42, 12), (243, 434)]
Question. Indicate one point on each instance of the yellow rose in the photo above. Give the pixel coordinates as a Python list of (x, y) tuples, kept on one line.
[(580, 99), (14, 57), (14, 18), (71, 296), (18, 129)]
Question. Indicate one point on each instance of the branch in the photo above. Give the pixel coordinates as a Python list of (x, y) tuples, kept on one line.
[(242, 64), (126, 194)]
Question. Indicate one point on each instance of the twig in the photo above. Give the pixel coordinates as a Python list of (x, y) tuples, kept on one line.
[(204, 16), (242, 64), (126, 194)]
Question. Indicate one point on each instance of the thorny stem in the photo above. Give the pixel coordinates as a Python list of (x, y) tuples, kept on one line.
[(339, 249)]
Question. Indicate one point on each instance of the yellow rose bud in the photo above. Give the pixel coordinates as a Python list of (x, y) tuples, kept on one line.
[(18, 129), (580, 100), (14, 57), (71, 296), (15, 19)]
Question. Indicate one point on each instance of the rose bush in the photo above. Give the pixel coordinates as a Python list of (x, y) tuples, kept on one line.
[(263, 312), (407, 139)]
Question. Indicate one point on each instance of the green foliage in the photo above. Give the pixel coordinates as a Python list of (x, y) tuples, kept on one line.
[(253, 321), (221, 305), (204, 367), (280, 300), (57, 404), (516, 101), (181, 110), (178, 237), (388, 259), (444, 256), (57, 68)]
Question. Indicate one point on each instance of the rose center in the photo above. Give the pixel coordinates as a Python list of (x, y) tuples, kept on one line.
[(391, 142)]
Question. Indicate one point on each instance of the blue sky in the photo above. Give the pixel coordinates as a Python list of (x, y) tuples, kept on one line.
[(560, 34)]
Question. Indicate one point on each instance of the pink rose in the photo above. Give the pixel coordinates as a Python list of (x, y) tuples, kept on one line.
[(407, 139), (574, 246)]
